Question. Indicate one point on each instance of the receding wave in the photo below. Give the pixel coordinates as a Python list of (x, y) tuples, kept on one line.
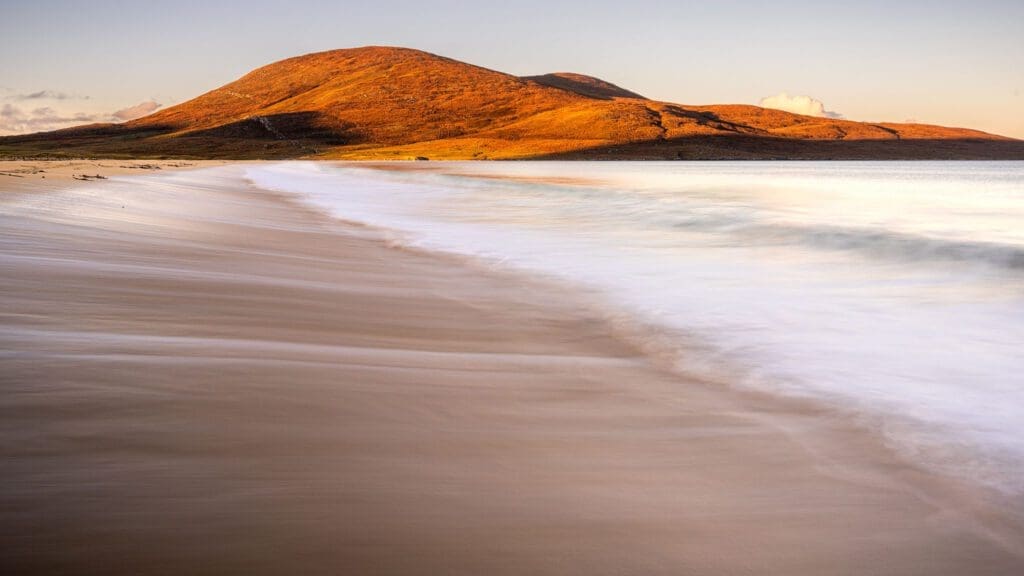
[(885, 244)]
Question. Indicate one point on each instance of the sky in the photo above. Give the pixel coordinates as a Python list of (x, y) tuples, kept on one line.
[(940, 62)]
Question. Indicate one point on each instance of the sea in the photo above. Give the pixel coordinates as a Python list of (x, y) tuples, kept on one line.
[(889, 291)]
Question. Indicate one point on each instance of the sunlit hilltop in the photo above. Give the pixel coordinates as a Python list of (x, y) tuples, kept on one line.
[(399, 103)]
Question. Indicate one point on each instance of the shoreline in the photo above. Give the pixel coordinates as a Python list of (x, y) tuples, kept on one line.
[(451, 418), (934, 445)]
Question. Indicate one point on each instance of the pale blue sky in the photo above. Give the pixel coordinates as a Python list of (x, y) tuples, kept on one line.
[(953, 63)]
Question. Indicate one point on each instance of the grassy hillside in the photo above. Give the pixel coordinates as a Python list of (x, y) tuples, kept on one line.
[(397, 103)]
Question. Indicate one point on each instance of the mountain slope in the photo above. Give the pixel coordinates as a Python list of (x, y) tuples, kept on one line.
[(396, 103), (584, 85)]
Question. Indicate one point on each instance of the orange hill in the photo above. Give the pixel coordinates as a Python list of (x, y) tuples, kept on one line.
[(398, 103)]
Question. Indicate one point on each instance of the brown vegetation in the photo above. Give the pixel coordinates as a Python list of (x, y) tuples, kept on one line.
[(381, 103)]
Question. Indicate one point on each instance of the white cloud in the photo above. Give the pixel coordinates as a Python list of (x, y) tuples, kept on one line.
[(798, 105), (15, 120), (49, 95), (45, 110), (137, 111)]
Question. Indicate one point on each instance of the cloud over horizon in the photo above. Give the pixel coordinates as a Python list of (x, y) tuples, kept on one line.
[(49, 95), (798, 105), (137, 111), (46, 110), (14, 120)]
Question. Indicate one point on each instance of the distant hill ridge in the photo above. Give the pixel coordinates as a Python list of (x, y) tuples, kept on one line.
[(583, 85), (398, 103)]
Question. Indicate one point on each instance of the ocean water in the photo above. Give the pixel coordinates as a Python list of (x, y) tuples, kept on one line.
[(893, 291)]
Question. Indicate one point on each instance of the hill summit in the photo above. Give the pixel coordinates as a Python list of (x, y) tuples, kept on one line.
[(398, 103)]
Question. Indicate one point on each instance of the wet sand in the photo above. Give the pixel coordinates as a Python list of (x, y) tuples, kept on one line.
[(207, 378)]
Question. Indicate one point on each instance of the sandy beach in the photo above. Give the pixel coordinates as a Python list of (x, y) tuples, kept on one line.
[(42, 175), (217, 379)]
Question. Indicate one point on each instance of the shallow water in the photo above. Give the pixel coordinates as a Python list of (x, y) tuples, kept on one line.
[(893, 290)]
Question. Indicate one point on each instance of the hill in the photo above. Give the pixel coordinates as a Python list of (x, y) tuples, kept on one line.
[(584, 85), (398, 103)]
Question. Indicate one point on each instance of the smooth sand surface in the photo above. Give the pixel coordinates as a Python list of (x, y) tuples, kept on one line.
[(217, 380)]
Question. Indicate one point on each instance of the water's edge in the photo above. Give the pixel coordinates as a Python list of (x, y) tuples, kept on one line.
[(704, 312)]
